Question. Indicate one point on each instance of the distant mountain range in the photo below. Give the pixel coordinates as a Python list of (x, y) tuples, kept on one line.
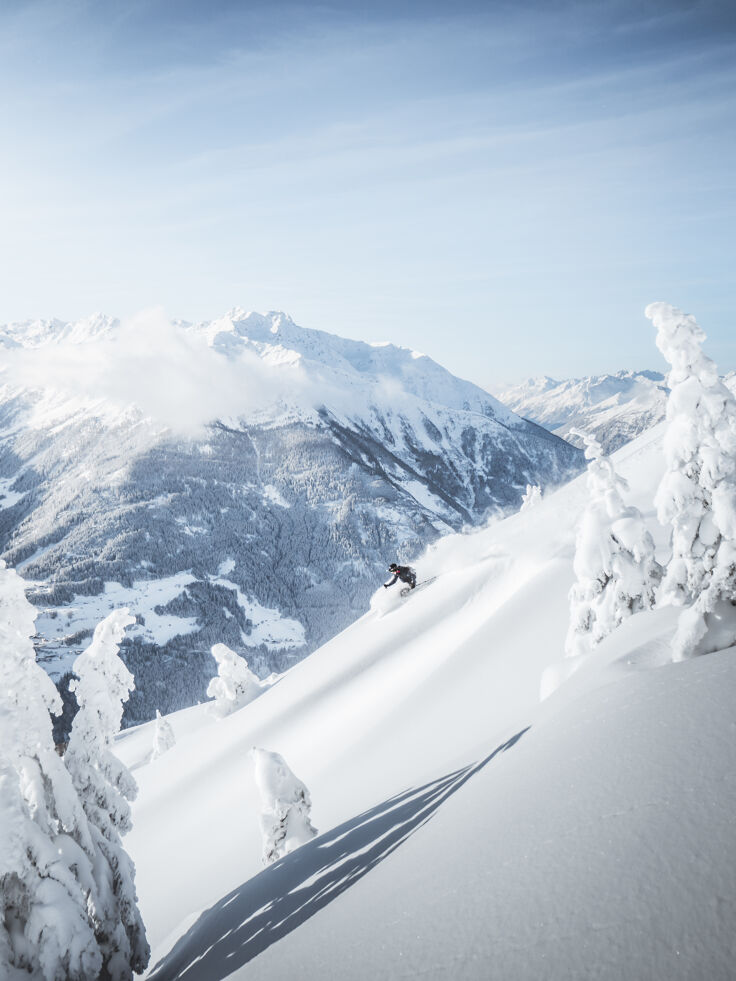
[(321, 460), (615, 408)]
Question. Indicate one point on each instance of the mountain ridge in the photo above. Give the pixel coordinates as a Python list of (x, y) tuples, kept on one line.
[(614, 407), (317, 475)]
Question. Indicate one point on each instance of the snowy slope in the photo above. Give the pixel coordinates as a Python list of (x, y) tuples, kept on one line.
[(300, 461), (467, 830), (615, 408)]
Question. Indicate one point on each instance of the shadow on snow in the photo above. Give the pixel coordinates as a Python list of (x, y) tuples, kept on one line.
[(276, 901)]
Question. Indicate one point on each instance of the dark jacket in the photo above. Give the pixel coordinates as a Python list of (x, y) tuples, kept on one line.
[(405, 573)]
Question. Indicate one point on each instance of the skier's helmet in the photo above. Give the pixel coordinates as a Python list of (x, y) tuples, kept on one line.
[(393, 567)]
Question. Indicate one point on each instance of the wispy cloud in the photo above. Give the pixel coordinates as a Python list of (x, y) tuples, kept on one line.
[(169, 373)]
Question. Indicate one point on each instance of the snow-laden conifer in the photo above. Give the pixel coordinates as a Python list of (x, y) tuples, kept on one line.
[(532, 496), (105, 787), (235, 684), (616, 569), (163, 736), (697, 494), (47, 891), (285, 806)]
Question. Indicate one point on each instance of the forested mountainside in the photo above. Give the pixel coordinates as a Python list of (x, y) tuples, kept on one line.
[(267, 528)]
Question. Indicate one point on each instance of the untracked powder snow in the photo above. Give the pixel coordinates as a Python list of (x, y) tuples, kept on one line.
[(487, 807)]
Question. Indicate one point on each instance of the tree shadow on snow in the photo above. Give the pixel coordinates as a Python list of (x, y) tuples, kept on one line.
[(273, 903)]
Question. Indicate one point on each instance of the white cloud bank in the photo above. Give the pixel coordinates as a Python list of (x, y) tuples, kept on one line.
[(169, 372)]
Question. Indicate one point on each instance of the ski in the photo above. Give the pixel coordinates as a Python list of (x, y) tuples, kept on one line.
[(425, 582)]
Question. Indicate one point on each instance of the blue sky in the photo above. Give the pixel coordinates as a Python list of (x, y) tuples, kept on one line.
[(503, 186)]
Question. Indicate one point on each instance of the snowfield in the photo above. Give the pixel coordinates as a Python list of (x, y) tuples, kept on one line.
[(468, 828)]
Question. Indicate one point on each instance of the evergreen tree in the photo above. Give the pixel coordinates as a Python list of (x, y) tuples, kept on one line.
[(105, 787), (235, 684), (163, 736), (697, 494), (285, 806), (617, 573), (532, 496), (47, 890)]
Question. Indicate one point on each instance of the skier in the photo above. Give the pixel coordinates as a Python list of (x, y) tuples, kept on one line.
[(403, 572)]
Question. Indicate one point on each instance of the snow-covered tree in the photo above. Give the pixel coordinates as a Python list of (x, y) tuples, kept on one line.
[(47, 890), (697, 494), (235, 684), (105, 787), (285, 806), (163, 736), (532, 496), (617, 572)]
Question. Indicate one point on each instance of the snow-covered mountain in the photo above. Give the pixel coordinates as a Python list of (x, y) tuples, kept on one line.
[(615, 408), (298, 465), (468, 829)]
